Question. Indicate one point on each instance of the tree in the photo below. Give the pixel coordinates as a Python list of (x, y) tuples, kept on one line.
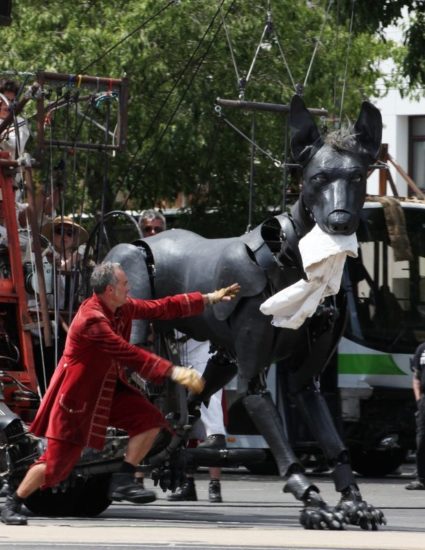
[(178, 63), (376, 16)]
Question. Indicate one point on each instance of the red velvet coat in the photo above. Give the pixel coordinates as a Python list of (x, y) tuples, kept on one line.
[(77, 404)]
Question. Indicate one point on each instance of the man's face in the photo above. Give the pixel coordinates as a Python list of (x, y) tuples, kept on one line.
[(120, 290), (63, 236), (152, 227), (4, 107)]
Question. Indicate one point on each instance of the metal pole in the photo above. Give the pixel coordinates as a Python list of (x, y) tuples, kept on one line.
[(251, 174), (258, 106), (36, 246)]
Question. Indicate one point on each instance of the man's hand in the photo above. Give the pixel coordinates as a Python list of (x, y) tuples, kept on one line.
[(189, 378), (224, 294)]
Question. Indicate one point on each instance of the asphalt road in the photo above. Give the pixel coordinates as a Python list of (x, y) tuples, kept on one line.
[(255, 514)]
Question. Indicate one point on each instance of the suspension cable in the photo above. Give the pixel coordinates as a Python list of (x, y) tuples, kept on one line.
[(138, 28), (229, 43), (285, 168), (254, 59), (274, 160), (251, 175), (268, 28), (164, 102), (56, 272), (318, 39), (104, 186), (344, 82), (170, 119), (285, 61)]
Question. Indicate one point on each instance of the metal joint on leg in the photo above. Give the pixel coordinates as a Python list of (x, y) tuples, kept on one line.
[(219, 371), (314, 408), (299, 486), (343, 477), (265, 417)]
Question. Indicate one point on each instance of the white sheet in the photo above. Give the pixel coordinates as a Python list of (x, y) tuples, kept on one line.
[(323, 257)]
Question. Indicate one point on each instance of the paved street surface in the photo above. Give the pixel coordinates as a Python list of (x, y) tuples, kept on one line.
[(255, 514)]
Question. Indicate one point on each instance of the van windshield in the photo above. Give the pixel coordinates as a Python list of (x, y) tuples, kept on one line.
[(386, 284)]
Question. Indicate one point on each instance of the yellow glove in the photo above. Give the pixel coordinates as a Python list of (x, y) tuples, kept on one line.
[(189, 378), (224, 294)]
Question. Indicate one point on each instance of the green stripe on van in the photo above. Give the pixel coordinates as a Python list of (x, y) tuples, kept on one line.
[(367, 364)]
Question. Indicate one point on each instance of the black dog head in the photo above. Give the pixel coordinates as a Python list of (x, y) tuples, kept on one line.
[(335, 168)]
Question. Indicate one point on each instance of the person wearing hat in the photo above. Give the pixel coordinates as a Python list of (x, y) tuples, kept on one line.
[(60, 260), (60, 266), (66, 237)]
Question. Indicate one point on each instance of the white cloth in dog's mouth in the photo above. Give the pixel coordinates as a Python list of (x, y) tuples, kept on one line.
[(323, 257)]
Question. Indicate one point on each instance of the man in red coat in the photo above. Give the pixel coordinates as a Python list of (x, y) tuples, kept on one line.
[(89, 390)]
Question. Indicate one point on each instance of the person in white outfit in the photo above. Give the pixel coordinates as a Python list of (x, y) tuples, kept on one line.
[(211, 425)]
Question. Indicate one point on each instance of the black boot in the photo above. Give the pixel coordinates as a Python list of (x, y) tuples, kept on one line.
[(214, 441), (140, 481), (5, 489), (186, 491), (123, 486), (417, 485), (11, 513), (214, 491)]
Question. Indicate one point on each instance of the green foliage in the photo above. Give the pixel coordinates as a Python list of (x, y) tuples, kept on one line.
[(414, 63), (375, 16), (178, 64)]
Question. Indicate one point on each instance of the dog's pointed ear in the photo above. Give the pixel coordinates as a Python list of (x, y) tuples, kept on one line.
[(305, 136), (368, 129)]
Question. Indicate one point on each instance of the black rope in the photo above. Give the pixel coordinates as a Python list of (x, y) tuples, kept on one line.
[(285, 168), (74, 157), (254, 59), (212, 149), (317, 43), (346, 61), (170, 119), (268, 29), (86, 173), (145, 22), (79, 123), (274, 160), (163, 104), (65, 156), (251, 174), (285, 62), (232, 54), (104, 188), (335, 68)]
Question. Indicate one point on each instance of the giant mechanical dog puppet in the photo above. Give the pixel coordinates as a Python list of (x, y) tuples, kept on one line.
[(265, 261)]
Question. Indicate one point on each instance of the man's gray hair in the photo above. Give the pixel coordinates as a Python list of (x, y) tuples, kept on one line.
[(151, 214), (103, 275)]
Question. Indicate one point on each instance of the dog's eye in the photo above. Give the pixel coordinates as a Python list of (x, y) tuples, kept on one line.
[(319, 179), (356, 178)]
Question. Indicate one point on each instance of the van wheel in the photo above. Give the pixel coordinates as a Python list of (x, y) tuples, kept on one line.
[(377, 463), (87, 498), (266, 468)]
